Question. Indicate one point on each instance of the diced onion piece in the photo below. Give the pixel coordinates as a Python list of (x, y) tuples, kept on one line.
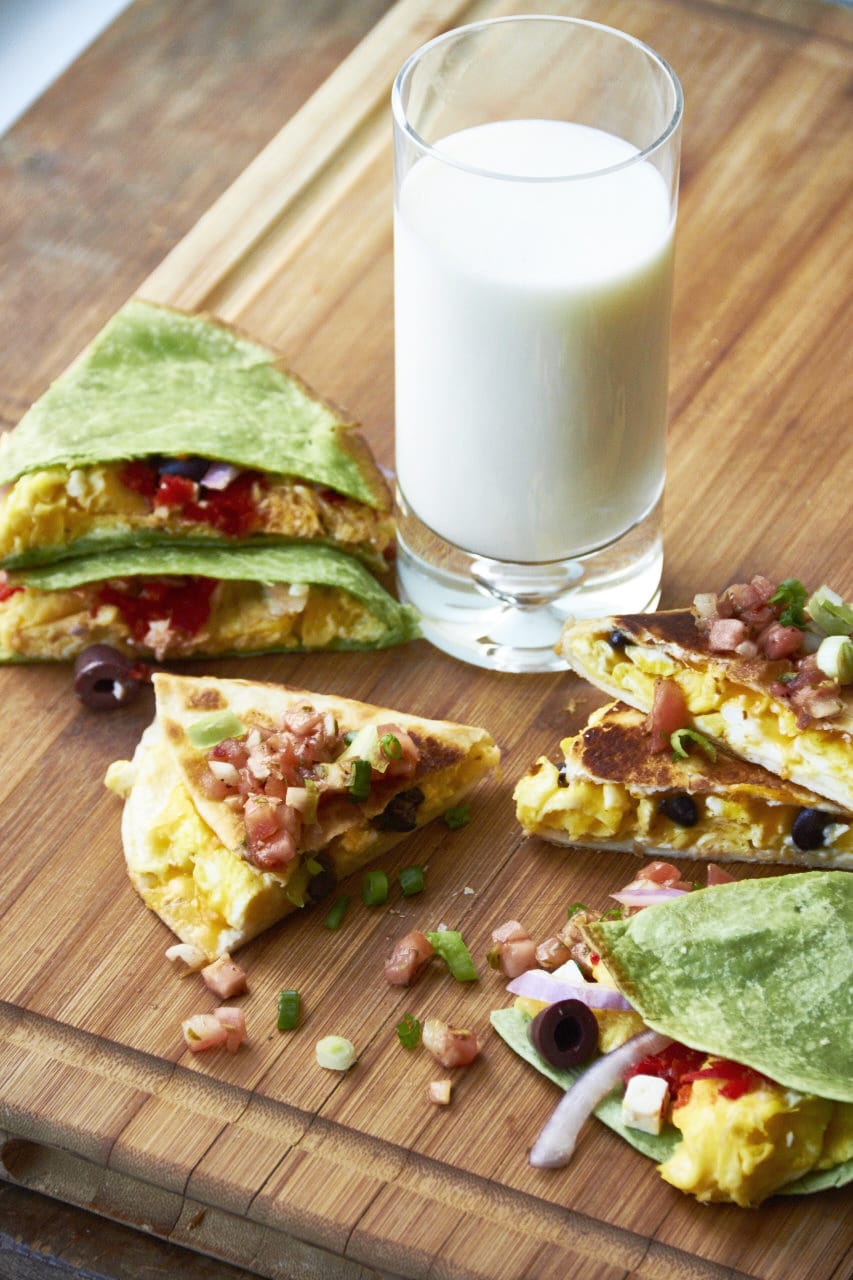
[(224, 771), (439, 1091), (538, 984), (192, 957), (335, 1053), (556, 1143), (219, 475), (203, 1031)]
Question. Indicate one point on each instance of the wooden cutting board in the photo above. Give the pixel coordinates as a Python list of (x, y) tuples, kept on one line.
[(263, 1159)]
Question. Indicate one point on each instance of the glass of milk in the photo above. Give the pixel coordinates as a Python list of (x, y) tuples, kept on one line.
[(536, 186)]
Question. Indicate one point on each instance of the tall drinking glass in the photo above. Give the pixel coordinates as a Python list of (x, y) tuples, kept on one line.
[(536, 185)]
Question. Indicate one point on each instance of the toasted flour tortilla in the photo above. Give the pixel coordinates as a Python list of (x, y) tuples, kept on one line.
[(611, 792), (186, 853), (161, 384), (265, 599), (729, 698)]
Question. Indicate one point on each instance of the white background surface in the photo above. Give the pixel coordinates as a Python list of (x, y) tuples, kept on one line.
[(38, 40)]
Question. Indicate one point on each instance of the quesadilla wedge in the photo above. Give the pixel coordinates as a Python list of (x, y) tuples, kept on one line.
[(186, 602), (176, 427), (745, 989), (765, 699), (243, 798), (611, 792)]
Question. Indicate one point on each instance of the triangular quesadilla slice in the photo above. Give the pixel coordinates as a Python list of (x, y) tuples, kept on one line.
[(184, 602), (610, 791), (746, 989), (176, 427), (781, 712), (243, 797)]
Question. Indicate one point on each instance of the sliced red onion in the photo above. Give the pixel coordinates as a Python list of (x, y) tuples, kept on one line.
[(538, 984), (646, 897), (219, 475), (556, 1143)]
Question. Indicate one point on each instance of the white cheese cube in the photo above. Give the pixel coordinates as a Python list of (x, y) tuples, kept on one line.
[(644, 1103)]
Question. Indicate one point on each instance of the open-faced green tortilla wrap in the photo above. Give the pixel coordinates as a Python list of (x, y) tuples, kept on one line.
[(172, 426), (184, 602), (759, 974)]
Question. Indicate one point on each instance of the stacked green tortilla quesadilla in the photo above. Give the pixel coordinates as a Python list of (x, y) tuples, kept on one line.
[(175, 432)]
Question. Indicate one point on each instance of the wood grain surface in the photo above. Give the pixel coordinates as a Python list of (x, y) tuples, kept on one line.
[(263, 1160)]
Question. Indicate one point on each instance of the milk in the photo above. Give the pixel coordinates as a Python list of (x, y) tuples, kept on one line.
[(532, 322)]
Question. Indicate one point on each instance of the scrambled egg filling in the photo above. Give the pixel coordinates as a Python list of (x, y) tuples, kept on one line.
[(208, 894), (732, 713), (244, 616), (744, 1149), (58, 506), (742, 823)]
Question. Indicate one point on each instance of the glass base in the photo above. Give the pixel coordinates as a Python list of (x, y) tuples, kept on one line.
[(508, 617)]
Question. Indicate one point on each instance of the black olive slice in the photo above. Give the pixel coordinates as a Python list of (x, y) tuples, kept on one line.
[(681, 809), (323, 882), (401, 813), (104, 678), (562, 780), (809, 828), (617, 639), (191, 468), (565, 1033)]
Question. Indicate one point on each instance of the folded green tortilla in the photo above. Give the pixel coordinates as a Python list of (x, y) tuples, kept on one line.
[(159, 385), (184, 602), (759, 971)]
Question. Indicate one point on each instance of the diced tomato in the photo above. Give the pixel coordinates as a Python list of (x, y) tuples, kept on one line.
[(140, 476), (671, 1065), (738, 1078), (175, 491), (5, 589), (668, 713), (231, 510), (183, 601), (717, 875)]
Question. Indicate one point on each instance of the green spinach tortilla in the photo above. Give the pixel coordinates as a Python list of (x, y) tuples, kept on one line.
[(160, 381), (760, 971)]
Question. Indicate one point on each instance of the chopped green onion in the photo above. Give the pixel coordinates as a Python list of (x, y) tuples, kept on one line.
[(335, 1053), (348, 736), (574, 907), (216, 727), (374, 888), (459, 816), (829, 613), (792, 594), (449, 945), (313, 867), (288, 1009), (335, 917), (391, 745), (835, 658), (411, 881), (409, 1031), (679, 750), (359, 783)]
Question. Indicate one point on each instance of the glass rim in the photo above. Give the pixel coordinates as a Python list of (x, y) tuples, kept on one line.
[(427, 148)]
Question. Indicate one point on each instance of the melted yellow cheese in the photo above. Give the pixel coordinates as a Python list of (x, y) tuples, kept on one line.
[(743, 826), (744, 1149)]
